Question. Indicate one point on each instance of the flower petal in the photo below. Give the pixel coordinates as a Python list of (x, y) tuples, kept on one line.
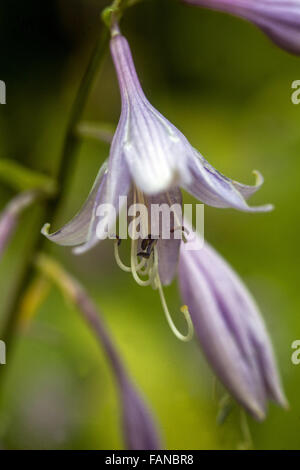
[(117, 184), (154, 149), (248, 190), (76, 231), (168, 255), (155, 153), (168, 249), (215, 189)]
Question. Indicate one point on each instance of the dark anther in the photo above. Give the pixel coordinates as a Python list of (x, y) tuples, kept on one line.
[(150, 244), (144, 254), (119, 240), (147, 246), (145, 242), (184, 230)]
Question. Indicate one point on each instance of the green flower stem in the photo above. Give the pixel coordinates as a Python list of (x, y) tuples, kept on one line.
[(50, 207), (70, 147), (72, 138)]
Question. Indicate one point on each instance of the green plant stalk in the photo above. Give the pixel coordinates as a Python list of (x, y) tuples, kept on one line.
[(70, 147), (72, 140)]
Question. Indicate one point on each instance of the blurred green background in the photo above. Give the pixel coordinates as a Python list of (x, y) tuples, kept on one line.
[(228, 88)]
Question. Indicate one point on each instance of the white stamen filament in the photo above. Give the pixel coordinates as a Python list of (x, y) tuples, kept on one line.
[(184, 310), (120, 263), (149, 267)]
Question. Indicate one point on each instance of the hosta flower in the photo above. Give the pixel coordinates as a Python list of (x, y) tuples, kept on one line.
[(279, 19), (149, 160), (151, 157), (229, 328)]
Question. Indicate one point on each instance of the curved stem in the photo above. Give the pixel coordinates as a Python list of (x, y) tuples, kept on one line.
[(138, 427), (72, 139), (69, 150), (50, 207)]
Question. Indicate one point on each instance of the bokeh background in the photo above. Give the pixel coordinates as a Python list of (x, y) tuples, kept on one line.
[(228, 88)]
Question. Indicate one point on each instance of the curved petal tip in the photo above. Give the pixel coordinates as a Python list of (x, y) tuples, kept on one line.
[(265, 208), (256, 411), (45, 230), (259, 179), (80, 250)]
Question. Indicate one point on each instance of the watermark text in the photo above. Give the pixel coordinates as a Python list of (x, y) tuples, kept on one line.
[(2, 92), (295, 97), (2, 353), (140, 221)]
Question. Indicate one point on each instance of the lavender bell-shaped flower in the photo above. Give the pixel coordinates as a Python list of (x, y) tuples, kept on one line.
[(149, 155), (149, 160), (279, 19), (229, 328)]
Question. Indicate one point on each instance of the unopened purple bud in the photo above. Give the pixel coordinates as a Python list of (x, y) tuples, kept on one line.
[(279, 19), (139, 429), (140, 432), (230, 329)]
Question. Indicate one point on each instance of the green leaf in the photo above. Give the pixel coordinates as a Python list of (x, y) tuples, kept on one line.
[(22, 178), (98, 131)]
